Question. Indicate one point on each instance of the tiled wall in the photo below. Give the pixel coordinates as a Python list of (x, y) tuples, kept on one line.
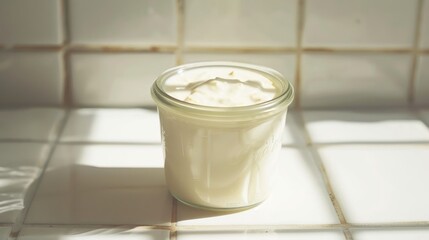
[(356, 53)]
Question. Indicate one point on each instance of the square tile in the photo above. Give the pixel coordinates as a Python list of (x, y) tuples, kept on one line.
[(33, 233), (355, 80), (424, 114), (283, 63), (422, 81), (103, 184), (365, 126), (30, 22), (4, 233), (124, 22), (424, 38), (379, 183), (112, 125), (391, 234), (360, 23), (21, 164), (299, 197), (30, 124), (240, 23), (116, 79), (30, 78), (261, 235)]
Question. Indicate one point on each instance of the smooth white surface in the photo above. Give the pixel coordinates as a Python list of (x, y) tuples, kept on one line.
[(33, 233), (20, 164), (283, 63), (240, 23), (294, 132), (30, 78), (103, 184), (116, 79), (112, 125), (123, 22), (425, 116), (30, 22), (299, 197), (347, 80), (365, 126), (422, 81), (379, 183), (424, 35), (4, 232), (265, 235), (30, 124), (391, 234), (363, 23)]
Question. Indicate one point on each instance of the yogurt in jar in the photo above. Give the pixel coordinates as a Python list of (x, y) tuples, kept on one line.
[(217, 154)]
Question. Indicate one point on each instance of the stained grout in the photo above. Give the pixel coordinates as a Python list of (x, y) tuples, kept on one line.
[(180, 11), (67, 95), (415, 54), (298, 68), (115, 48), (321, 167)]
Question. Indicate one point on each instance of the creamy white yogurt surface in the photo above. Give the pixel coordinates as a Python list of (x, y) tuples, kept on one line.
[(221, 87), (213, 164)]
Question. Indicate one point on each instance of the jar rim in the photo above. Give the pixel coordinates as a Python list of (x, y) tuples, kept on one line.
[(280, 102)]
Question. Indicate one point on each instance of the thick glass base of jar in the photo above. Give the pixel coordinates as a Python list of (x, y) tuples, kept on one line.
[(218, 209)]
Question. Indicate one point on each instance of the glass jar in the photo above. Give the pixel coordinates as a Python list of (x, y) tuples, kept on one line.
[(221, 158)]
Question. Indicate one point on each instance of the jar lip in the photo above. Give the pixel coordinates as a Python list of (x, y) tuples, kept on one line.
[(284, 98)]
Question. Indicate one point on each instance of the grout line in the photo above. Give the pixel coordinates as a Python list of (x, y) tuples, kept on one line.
[(67, 90), (320, 165), (180, 11), (415, 55), (62, 142), (113, 48), (95, 226), (88, 48), (173, 229), (299, 35), (291, 227), (226, 49), (31, 192), (355, 50)]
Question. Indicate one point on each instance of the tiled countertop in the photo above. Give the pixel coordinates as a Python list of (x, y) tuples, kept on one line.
[(98, 174)]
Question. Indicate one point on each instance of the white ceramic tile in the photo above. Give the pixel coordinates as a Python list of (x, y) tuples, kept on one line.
[(30, 22), (32, 233), (294, 132), (384, 183), (4, 233), (103, 184), (424, 42), (391, 234), (367, 23), (365, 126), (422, 81), (112, 125), (117, 79), (125, 21), (30, 78), (283, 63), (240, 23), (299, 197), (424, 113), (265, 235), (21, 164), (363, 80), (30, 124)]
